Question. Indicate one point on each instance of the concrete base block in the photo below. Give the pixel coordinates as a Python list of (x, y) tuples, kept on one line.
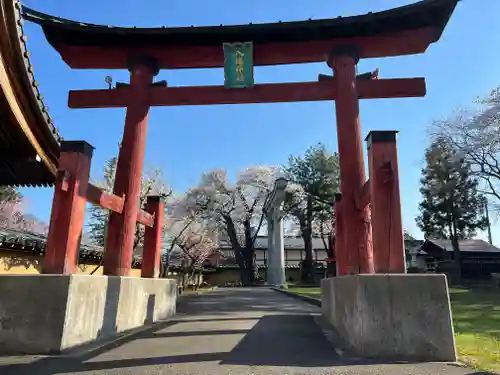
[(391, 316), (44, 314)]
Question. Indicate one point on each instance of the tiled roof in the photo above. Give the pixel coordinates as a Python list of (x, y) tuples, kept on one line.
[(29, 142), (12, 238), (292, 243), (466, 245), (259, 266)]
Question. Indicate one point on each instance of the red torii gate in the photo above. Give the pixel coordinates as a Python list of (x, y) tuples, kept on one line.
[(340, 42)]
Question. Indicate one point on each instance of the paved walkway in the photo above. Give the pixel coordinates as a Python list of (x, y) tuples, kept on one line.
[(228, 331)]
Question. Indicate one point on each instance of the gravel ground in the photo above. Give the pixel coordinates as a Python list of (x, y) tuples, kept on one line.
[(227, 331)]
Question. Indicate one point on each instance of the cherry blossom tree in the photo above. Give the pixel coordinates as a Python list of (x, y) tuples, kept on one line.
[(193, 247), (236, 209), (179, 219), (11, 216), (474, 132)]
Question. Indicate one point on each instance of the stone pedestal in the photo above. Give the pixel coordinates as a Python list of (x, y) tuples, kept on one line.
[(391, 316), (42, 314)]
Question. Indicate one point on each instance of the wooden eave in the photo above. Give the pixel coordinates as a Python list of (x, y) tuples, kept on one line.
[(399, 31), (27, 132)]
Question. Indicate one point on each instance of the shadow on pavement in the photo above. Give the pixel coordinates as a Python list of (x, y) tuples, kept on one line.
[(285, 334), (283, 340)]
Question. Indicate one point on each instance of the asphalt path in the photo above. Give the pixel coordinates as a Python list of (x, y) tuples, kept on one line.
[(227, 331)]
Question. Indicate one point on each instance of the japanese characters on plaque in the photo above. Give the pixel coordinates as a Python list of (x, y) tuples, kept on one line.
[(238, 65)]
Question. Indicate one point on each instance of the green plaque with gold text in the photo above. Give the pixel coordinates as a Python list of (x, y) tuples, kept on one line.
[(238, 65)]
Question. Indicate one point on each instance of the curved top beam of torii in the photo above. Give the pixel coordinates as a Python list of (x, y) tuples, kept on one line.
[(400, 31)]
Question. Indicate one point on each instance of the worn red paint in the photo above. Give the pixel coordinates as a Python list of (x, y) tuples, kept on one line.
[(145, 218), (121, 227), (68, 213), (406, 42), (340, 251), (97, 196), (260, 93), (352, 168), (388, 237), (153, 239)]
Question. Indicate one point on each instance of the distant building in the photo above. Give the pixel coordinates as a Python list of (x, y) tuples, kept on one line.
[(294, 252), (479, 258)]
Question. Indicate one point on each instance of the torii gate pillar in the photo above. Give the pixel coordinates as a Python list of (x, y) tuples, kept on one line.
[(356, 220), (121, 228)]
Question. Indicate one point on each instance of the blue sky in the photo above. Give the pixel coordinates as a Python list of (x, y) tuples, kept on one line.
[(186, 141)]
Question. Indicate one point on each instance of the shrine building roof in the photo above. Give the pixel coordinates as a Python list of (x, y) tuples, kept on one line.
[(405, 30), (29, 142)]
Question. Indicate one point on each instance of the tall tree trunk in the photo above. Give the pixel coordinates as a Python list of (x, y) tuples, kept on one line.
[(331, 267), (307, 275), (307, 271), (250, 264), (239, 252)]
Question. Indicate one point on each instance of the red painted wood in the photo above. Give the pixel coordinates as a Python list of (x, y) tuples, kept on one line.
[(97, 196), (182, 57), (388, 236), (341, 253), (263, 93), (352, 170), (146, 218), (67, 215), (363, 197), (63, 176), (153, 239), (121, 228)]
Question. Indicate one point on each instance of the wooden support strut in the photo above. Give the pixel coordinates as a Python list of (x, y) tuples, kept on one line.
[(97, 196), (146, 218), (260, 93), (151, 254), (68, 208), (388, 237), (363, 196)]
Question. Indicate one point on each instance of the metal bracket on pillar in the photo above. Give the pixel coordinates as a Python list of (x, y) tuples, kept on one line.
[(162, 83), (63, 175)]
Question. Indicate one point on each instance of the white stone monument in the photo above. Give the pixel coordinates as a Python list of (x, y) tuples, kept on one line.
[(275, 246)]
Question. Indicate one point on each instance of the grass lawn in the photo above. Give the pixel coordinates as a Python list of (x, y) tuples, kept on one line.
[(311, 291), (476, 318)]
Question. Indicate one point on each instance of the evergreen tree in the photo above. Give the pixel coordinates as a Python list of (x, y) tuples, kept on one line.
[(98, 216), (318, 174), (151, 184), (451, 205)]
